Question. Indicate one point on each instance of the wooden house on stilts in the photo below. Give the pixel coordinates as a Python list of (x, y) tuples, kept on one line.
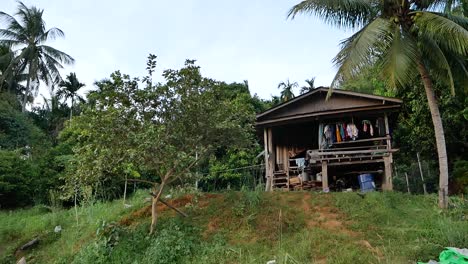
[(311, 142)]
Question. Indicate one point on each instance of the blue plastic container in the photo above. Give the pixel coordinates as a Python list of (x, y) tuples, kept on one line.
[(366, 182)]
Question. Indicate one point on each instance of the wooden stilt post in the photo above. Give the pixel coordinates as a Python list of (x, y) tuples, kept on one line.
[(286, 165), (271, 160), (387, 182), (387, 132), (325, 176), (267, 154)]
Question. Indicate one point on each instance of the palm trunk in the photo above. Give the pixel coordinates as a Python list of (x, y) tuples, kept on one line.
[(25, 96), (71, 109), (439, 135)]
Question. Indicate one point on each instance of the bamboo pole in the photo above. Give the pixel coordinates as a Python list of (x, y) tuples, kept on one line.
[(407, 183), (125, 190), (421, 172)]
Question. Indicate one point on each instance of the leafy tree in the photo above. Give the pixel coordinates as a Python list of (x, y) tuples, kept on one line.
[(162, 129), (287, 90), (11, 82), (51, 116), (17, 131), (309, 87), (369, 81), (406, 38), (16, 174), (69, 90), (40, 62)]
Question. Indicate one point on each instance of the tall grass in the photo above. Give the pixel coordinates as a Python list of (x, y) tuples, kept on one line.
[(246, 227), (20, 226), (407, 226)]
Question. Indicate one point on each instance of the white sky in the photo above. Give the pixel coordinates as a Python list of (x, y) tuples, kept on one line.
[(232, 41)]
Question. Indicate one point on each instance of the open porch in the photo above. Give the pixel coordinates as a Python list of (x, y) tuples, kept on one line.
[(313, 143)]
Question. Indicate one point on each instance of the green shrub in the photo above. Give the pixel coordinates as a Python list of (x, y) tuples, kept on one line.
[(172, 242)]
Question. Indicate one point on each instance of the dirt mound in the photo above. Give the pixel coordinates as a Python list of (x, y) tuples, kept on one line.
[(182, 201)]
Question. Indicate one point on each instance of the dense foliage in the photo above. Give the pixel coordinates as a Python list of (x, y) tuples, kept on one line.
[(194, 130), (404, 40)]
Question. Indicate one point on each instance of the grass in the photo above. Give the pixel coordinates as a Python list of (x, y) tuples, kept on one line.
[(20, 226), (245, 227), (407, 227)]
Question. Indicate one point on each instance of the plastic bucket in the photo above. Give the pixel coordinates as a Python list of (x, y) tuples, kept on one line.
[(366, 182)]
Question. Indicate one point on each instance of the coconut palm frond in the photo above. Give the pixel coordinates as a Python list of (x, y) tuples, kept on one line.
[(445, 32), (434, 54), (340, 13), (357, 51), (398, 62)]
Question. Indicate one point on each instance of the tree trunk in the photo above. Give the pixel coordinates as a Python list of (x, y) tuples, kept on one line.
[(25, 96), (71, 108), (76, 208), (439, 135), (125, 191), (154, 213)]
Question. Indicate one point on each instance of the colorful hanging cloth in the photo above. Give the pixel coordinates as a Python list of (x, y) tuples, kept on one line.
[(338, 135)]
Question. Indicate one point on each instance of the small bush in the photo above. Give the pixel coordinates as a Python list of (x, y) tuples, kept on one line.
[(172, 242)]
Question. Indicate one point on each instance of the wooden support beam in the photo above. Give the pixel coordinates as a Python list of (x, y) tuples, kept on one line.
[(271, 160), (354, 148), (267, 154), (320, 136), (387, 184), (387, 132), (362, 140), (345, 152), (354, 162), (350, 158), (325, 176), (286, 164)]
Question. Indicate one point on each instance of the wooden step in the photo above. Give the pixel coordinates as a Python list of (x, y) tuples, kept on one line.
[(281, 184), (280, 178)]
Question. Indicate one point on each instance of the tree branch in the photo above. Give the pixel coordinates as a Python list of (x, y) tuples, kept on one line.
[(173, 208), (143, 181)]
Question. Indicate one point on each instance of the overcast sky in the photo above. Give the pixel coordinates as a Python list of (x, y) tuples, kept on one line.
[(232, 41)]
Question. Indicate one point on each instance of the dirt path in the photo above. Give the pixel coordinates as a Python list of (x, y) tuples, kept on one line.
[(328, 217)]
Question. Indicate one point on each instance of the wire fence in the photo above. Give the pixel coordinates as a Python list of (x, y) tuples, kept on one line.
[(419, 177), (247, 177)]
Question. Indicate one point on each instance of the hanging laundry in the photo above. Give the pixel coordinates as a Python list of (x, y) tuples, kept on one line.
[(300, 162), (367, 127), (342, 132), (338, 134), (380, 124), (327, 132), (345, 132), (352, 131), (349, 131)]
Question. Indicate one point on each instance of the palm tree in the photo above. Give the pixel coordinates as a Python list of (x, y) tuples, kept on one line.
[(309, 87), (287, 90), (406, 38), (39, 61), (51, 116), (69, 90), (10, 78)]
